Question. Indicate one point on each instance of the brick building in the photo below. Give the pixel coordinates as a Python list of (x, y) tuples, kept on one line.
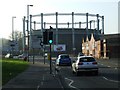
[(113, 45), (102, 47)]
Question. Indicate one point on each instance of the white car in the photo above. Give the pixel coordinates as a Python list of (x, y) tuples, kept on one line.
[(85, 64), (22, 56), (8, 55)]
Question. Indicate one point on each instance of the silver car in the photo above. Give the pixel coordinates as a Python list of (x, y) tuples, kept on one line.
[(85, 64)]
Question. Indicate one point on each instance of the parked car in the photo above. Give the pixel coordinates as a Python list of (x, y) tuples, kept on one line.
[(8, 55), (45, 54), (85, 64), (23, 56), (63, 59)]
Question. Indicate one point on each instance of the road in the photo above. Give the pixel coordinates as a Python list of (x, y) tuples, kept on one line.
[(106, 79)]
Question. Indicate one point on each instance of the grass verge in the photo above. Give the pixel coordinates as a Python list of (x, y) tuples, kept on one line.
[(11, 68)]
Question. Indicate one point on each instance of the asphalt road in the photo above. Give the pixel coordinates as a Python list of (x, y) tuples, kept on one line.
[(38, 77), (106, 79)]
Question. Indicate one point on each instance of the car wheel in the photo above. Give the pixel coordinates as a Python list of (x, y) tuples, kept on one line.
[(59, 64), (73, 72)]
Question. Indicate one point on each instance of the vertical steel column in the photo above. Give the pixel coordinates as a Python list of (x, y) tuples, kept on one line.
[(68, 24), (34, 25), (27, 40), (90, 24), (56, 28), (97, 23), (79, 24), (87, 24), (41, 22), (73, 33), (24, 36), (44, 25), (102, 24), (30, 32)]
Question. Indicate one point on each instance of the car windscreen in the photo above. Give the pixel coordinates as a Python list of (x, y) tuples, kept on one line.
[(87, 59)]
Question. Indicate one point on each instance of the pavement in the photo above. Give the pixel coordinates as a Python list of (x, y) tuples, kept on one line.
[(112, 62), (36, 77)]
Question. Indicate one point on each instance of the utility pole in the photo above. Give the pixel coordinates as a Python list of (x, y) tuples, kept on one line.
[(28, 29), (13, 41), (50, 42)]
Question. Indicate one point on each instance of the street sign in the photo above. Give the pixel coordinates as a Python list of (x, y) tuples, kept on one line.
[(59, 47)]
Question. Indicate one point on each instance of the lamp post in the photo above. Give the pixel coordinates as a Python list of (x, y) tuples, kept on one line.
[(13, 27), (28, 27), (28, 11), (12, 45)]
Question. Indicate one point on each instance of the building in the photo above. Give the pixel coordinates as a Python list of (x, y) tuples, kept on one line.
[(106, 46), (113, 45)]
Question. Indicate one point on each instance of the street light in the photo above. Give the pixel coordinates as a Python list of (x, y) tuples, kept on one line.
[(12, 45), (28, 26), (13, 27), (28, 11)]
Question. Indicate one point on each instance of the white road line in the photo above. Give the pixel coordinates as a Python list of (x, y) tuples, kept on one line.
[(38, 87), (43, 78), (70, 84), (110, 80), (60, 83)]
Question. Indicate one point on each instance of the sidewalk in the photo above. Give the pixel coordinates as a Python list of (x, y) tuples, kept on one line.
[(36, 77), (112, 62)]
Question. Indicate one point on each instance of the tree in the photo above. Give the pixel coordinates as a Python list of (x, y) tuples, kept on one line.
[(18, 38)]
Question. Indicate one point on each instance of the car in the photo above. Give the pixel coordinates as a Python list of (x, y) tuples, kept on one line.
[(85, 64), (8, 55), (45, 54), (63, 59), (22, 56), (80, 54)]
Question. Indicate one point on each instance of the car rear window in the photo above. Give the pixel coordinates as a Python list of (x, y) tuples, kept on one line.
[(65, 56), (87, 59)]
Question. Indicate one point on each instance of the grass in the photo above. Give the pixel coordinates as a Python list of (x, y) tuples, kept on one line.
[(11, 68)]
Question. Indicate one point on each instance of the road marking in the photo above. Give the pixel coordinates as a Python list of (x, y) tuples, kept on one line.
[(71, 82), (60, 82), (43, 78), (38, 87), (110, 80)]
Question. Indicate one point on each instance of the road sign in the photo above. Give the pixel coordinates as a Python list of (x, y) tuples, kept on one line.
[(59, 47)]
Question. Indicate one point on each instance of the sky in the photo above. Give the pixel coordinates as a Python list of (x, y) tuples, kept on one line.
[(18, 8)]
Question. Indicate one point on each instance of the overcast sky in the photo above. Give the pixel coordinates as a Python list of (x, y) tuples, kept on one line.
[(18, 8)]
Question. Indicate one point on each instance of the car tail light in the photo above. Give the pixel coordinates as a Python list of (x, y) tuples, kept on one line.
[(94, 63), (80, 63)]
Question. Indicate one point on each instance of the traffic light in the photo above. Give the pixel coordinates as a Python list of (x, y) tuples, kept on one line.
[(50, 37), (45, 37)]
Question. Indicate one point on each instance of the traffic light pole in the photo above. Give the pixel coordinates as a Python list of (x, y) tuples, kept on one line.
[(50, 61), (44, 55)]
